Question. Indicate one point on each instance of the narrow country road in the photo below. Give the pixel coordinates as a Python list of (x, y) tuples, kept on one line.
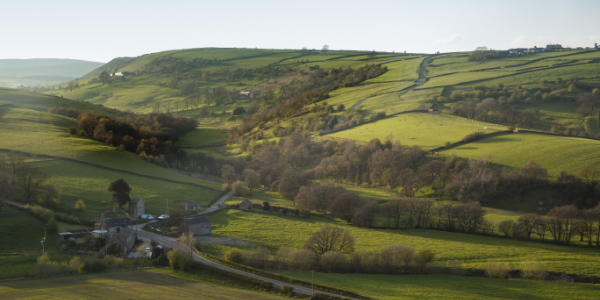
[(171, 242), (419, 81), (216, 205)]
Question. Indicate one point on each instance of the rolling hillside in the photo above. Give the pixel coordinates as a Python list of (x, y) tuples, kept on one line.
[(42, 71)]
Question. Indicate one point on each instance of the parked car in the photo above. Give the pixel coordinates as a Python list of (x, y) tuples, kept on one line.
[(149, 217), (163, 217), (148, 249)]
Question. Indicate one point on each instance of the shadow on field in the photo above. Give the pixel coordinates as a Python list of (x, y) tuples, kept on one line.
[(119, 277)]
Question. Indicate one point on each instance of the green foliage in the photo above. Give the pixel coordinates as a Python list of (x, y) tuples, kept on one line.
[(472, 250), (235, 256)]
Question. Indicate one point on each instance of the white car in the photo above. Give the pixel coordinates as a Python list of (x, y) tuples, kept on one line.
[(163, 217), (148, 249)]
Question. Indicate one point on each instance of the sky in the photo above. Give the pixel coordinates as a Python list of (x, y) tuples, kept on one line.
[(103, 30)]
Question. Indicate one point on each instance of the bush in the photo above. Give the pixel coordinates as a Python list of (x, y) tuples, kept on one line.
[(496, 270), (506, 227), (93, 265), (179, 259), (447, 145), (224, 187), (473, 136), (52, 225), (266, 206), (80, 205), (341, 107), (238, 111), (534, 270), (234, 255), (238, 188), (73, 130), (334, 261), (422, 260)]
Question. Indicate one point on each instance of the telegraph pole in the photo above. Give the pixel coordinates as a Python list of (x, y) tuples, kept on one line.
[(313, 282), (44, 242)]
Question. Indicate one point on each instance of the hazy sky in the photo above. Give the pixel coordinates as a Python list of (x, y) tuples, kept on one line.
[(103, 30)]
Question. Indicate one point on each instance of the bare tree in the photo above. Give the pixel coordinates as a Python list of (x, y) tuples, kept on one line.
[(251, 178), (330, 238), (228, 173), (30, 179)]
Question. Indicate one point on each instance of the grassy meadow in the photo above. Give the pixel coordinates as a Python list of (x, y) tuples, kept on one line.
[(79, 181), (21, 235), (556, 153), (395, 287), (425, 130), (136, 284), (474, 251), (203, 136), (43, 133)]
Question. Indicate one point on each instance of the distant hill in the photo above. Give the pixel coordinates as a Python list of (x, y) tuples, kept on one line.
[(42, 71)]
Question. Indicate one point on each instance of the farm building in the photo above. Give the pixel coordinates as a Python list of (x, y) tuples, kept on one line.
[(122, 241), (210, 90), (244, 94), (188, 205), (246, 205), (110, 225), (137, 207), (197, 225)]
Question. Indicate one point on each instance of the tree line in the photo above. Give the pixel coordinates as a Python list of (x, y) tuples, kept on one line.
[(149, 135), (293, 97)]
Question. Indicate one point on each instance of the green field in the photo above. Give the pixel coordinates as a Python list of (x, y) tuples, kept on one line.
[(551, 152), (417, 129), (474, 251), (202, 136), (79, 181), (137, 284), (393, 287), (21, 234), (36, 101), (42, 133)]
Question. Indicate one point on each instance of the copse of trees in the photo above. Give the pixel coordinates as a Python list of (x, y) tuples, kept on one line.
[(150, 135)]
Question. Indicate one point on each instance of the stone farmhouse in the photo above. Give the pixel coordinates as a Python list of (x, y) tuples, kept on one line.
[(137, 207), (124, 239), (189, 205), (111, 225), (199, 225)]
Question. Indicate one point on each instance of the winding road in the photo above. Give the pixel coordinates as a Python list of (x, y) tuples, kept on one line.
[(171, 242)]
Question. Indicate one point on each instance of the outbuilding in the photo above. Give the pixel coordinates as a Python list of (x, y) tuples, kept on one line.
[(246, 205), (137, 207), (199, 225)]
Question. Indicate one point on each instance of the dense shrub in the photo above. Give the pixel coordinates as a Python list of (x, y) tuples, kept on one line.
[(238, 188), (473, 136), (234, 255), (496, 270), (534, 270)]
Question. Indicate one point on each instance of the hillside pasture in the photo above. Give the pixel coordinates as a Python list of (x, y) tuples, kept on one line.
[(556, 153), (79, 181), (203, 136), (36, 101), (46, 134), (393, 287), (135, 284), (425, 130), (474, 251), (21, 234)]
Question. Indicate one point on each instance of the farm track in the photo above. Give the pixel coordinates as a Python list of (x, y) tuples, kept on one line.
[(171, 242), (111, 169)]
